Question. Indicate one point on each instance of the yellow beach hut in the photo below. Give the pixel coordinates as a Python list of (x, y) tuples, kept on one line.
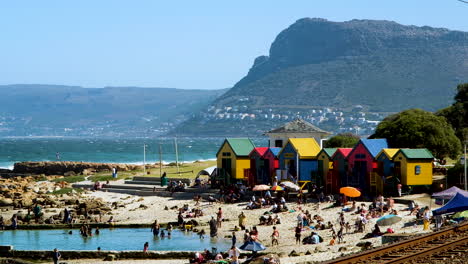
[(414, 166), (233, 160), (386, 182)]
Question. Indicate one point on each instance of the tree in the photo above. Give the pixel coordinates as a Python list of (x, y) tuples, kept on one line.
[(457, 113), (416, 128), (344, 140)]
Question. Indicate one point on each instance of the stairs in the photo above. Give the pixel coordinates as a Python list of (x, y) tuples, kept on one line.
[(149, 186)]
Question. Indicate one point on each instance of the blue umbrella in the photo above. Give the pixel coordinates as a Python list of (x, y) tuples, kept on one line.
[(252, 246), (387, 220)]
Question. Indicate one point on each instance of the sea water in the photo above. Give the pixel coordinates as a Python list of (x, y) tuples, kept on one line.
[(109, 239), (106, 150)]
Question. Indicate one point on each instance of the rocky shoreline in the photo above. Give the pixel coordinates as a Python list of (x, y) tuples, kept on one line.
[(64, 167)]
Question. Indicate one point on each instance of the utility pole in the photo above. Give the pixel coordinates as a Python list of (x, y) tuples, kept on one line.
[(160, 160), (176, 155), (464, 161), (144, 159)]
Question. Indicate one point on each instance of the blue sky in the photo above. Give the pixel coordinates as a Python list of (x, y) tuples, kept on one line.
[(182, 44)]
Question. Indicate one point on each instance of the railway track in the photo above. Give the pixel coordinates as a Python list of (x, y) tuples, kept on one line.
[(445, 246)]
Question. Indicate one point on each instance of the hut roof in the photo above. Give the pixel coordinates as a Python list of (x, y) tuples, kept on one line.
[(260, 150), (374, 146), (389, 152), (305, 147), (275, 151), (421, 153), (298, 126), (240, 146), (344, 151), (328, 151)]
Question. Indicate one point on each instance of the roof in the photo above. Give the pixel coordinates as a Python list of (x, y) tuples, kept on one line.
[(458, 203), (240, 146), (422, 153), (449, 193), (298, 126), (328, 151), (260, 150), (374, 146), (275, 151), (344, 151), (389, 152), (306, 147), (207, 171)]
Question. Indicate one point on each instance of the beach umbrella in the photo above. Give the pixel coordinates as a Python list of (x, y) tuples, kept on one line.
[(350, 191), (463, 214), (277, 188), (387, 220), (291, 186), (261, 187), (252, 246)]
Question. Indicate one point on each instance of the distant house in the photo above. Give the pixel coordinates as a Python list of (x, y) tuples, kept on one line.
[(298, 160), (362, 166), (297, 128), (386, 183), (233, 159), (414, 166), (263, 164), (339, 176), (325, 163)]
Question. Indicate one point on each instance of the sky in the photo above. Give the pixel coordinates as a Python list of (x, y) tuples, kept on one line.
[(192, 44)]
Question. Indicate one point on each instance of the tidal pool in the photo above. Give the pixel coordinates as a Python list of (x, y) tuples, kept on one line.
[(109, 239)]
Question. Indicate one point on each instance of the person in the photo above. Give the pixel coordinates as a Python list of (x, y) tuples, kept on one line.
[(332, 241), (37, 211), (315, 238), (66, 216), (169, 230), (219, 217), (399, 186), (57, 155), (242, 219), (145, 247), (2, 223), (114, 173), (56, 256), (213, 227), (426, 218), (234, 254), (298, 233), (14, 222), (246, 236), (234, 238), (155, 228), (376, 232), (97, 232), (274, 236), (180, 219)]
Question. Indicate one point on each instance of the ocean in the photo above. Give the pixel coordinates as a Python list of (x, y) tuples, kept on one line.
[(108, 150)]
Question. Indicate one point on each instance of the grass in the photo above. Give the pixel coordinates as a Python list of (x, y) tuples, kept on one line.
[(70, 179), (66, 191), (192, 170)]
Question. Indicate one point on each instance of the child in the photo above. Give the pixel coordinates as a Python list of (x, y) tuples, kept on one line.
[(332, 241), (274, 236), (145, 247)]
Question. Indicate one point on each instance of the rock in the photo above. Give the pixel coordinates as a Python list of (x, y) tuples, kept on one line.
[(342, 249), (110, 257), (69, 173), (6, 201), (308, 252), (293, 254), (142, 206), (320, 248)]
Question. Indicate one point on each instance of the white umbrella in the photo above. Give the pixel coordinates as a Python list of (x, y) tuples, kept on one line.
[(290, 185)]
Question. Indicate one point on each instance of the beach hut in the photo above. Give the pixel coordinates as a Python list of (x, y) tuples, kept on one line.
[(298, 160), (325, 163), (297, 128), (414, 166), (386, 182), (259, 167), (339, 174), (362, 167), (273, 162), (233, 160)]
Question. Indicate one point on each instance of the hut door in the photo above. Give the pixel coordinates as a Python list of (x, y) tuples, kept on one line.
[(360, 172), (226, 165), (266, 172)]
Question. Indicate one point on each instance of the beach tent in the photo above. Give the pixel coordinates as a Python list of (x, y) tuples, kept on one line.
[(458, 203), (208, 171), (449, 193)]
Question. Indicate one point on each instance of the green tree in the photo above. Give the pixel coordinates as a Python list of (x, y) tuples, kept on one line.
[(344, 140), (416, 128), (457, 113)]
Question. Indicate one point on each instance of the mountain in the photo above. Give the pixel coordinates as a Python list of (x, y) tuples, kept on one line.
[(316, 64), (57, 110)]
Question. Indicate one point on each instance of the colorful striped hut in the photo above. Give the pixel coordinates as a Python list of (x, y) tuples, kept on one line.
[(298, 160), (386, 183), (414, 166), (339, 176), (325, 163), (362, 165), (233, 160)]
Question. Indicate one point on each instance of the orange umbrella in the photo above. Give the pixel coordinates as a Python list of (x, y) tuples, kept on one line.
[(350, 191)]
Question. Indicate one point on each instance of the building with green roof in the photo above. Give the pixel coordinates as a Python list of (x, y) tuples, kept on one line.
[(414, 166), (233, 159), (325, 163)]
